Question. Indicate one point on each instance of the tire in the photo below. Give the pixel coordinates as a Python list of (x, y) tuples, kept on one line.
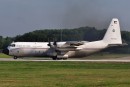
[(64, 58), (54, 57), (15, 57)]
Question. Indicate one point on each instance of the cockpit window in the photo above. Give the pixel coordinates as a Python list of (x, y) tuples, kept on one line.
[(12, 45), (115, 22)]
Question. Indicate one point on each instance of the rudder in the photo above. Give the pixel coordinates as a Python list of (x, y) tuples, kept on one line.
[(113, 34)]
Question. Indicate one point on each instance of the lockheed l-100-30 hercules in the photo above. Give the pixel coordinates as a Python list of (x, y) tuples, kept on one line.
[(64, 50)]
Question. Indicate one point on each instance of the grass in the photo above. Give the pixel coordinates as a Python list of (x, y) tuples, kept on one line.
[(4, 56), (64, 74)]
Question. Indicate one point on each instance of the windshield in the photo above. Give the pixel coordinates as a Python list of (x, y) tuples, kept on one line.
[(12, 45)]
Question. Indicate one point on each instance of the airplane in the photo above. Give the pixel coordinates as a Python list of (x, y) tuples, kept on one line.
[(65, 50)]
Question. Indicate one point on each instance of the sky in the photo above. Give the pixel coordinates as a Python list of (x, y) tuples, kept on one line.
[(21, 16)]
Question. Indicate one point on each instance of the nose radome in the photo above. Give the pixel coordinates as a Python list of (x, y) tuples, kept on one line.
[(6, 51)]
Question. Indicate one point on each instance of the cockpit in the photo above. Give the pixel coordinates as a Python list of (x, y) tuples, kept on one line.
[(12, 45)]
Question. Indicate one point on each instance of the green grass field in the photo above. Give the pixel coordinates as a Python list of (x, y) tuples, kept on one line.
[(4, 56), (64, 74)]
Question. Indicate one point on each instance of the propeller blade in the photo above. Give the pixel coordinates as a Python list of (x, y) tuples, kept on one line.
[(55, 43), (49, 43)]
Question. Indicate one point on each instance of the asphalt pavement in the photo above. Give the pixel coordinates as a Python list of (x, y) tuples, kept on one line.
[(123, 59)]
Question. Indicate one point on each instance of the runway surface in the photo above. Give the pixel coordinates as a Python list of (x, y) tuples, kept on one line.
[(124, 59)]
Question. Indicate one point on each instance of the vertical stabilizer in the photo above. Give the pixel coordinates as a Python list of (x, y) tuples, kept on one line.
[(113, 34)]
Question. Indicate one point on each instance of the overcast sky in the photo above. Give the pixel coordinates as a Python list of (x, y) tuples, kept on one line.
[(22, 16)]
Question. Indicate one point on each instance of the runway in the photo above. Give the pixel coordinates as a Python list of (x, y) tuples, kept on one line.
[(124, 59)]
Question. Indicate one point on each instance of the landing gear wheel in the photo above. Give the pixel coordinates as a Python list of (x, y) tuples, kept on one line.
[(59, 58), (15, 57), (54, 57), (64, 58)]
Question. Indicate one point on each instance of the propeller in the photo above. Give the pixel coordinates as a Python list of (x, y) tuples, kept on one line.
[(53, 48), (54, 45), (49, 43)]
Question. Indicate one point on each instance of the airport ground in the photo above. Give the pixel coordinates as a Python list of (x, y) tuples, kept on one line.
[(21, 73), (103, 57)]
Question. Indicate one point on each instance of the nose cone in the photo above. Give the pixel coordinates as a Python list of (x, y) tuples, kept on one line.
[(6, 51)]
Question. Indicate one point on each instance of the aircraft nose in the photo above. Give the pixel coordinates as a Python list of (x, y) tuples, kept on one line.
[(6, 51)]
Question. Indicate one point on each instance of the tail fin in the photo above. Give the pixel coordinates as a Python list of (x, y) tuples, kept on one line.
[(113, 34)]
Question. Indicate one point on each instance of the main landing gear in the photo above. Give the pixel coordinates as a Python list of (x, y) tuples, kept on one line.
[(55, 58)]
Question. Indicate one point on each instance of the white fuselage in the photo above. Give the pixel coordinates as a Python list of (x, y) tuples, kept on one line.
[(88, 48), (23, 49)]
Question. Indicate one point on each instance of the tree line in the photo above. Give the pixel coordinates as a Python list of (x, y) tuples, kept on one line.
[(77, 34)]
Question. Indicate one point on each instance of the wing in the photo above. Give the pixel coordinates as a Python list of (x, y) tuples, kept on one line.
[(63, 49), (70, 46)]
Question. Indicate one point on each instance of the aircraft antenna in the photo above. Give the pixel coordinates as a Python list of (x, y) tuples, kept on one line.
[(61, 35)]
